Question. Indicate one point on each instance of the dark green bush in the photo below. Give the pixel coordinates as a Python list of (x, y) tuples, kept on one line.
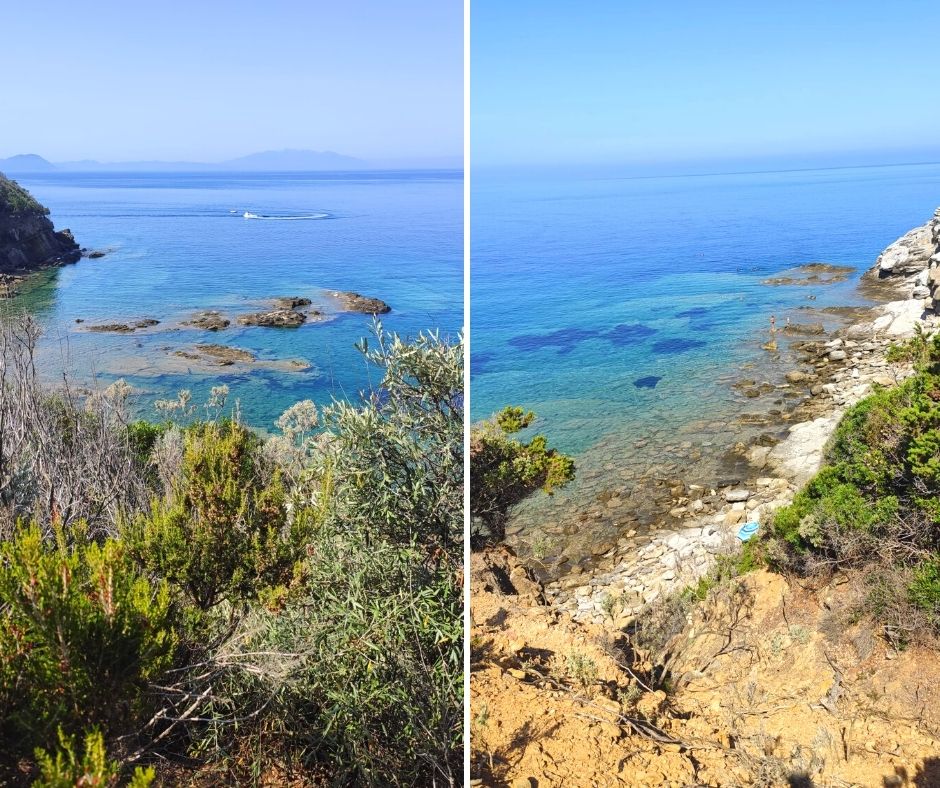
[(504, 471), (826, 506), (224, 533), (82, 635), (876, 501)]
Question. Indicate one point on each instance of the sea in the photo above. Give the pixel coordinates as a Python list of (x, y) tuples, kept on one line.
[(622, 311), (179, 243)]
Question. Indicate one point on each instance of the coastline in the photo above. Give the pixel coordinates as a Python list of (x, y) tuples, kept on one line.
[(834, 373)]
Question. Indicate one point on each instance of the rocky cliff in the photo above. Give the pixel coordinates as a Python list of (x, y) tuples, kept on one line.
[(28, 240), (913, 263)]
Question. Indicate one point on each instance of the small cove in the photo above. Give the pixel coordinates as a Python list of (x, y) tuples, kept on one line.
[(180, 244)]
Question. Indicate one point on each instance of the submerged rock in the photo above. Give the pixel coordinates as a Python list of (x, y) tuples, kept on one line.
[(216, 355), (675, 345), (122, 328), (812, 274), (648, 382)]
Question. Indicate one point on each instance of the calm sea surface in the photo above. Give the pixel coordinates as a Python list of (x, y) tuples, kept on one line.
[(621, 310), (179, 243)]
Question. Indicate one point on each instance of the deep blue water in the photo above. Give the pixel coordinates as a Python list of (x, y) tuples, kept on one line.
[(618, 309), (179, 244)]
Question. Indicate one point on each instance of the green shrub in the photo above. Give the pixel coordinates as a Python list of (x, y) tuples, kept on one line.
[(363, 670), (82, 635), (224, 533), (358, 668), (504, 471), (396, 460), (876, 500), (66, 769), (889, 443), (828, 506), (916, 349)]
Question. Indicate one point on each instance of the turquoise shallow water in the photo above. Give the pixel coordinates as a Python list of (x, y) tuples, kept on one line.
[(178, 243), (621, 310)]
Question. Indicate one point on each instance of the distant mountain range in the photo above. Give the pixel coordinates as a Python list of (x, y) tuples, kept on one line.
[(266, 161), (26, 162)]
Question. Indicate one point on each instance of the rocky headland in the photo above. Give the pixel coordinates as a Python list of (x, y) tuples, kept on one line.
[(28, 239)]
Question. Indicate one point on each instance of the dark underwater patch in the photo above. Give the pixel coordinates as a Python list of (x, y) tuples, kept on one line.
[(648, 382), (673, 345), (564, 339), (628, 334), (480, 362), (695, 311)]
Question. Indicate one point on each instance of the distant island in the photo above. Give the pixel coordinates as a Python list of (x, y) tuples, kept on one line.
[(264, 161)]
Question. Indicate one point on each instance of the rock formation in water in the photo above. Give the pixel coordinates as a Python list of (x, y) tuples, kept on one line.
[(354, 302), (276, 318), (28, 240), (209, 320)]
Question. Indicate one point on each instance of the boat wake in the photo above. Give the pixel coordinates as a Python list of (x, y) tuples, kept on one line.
[(250, 215)]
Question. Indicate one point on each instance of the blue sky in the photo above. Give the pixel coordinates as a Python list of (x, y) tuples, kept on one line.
[(205, 80), (657, 82)]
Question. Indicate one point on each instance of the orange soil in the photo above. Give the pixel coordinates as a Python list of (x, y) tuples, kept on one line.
[(770, 685)]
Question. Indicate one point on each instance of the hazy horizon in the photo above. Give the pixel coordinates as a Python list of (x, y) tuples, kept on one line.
[(213, 81), (722, 165), (648, 86), (416, 162)]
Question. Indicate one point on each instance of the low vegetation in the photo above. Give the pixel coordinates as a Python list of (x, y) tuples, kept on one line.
[(876, 502), (193, 603)]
